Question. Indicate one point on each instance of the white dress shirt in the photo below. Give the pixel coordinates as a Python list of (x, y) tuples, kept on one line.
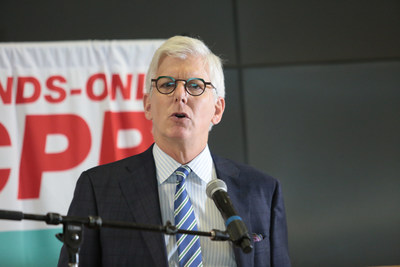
[(214, 253)]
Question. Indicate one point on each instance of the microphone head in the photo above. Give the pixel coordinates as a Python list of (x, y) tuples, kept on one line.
[(215, 185)]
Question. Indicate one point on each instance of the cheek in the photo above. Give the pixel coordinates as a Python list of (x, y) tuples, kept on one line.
[(156, 109), (206, 112), (155, 113)]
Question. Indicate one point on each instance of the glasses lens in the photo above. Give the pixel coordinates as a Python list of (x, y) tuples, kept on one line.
[(195, 86), (165, 85)]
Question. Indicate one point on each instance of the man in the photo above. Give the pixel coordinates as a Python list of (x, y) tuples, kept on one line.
[(184, 99)]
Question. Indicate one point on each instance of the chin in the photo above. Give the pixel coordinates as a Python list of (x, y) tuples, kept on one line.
[(178, 133), (181, 136)]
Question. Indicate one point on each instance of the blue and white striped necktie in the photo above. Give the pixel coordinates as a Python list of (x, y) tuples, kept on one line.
[(189, 251)]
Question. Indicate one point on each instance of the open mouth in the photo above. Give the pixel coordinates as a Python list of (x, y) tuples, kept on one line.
[(180, 115)]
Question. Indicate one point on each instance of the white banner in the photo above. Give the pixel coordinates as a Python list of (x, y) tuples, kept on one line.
[(64, 107)]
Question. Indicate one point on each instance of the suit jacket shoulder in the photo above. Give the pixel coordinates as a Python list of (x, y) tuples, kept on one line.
[(258, 199), (125, 190)]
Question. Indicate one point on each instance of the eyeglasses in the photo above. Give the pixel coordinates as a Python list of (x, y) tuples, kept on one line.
[(194, 86)]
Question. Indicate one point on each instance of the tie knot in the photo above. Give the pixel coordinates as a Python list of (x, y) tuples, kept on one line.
[(182, 172)]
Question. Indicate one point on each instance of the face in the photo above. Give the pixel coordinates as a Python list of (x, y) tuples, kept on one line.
[(180, 116)]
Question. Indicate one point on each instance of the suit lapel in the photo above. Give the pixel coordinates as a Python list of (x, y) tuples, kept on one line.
[(229, 173), (141, 192)]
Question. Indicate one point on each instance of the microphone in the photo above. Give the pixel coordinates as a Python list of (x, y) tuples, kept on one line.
[(217, 191)]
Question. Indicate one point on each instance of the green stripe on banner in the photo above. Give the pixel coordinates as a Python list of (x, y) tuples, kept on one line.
[(29, 248)]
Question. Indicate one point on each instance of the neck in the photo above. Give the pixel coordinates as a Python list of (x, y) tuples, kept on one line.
[(182, 152)]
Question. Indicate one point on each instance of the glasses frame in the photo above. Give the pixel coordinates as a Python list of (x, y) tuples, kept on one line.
[(186, 81)]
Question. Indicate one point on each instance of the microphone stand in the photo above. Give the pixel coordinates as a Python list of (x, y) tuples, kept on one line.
[(73, 229)]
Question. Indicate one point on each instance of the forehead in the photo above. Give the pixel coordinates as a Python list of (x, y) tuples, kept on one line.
[(189, 67)]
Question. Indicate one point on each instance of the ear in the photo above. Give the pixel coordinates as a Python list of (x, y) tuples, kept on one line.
[(219, 110), (147, 106)]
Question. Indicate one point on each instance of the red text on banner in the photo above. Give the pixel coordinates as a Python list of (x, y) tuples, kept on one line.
[(4, 141), (55, 89), (35, 160), (116, 121)]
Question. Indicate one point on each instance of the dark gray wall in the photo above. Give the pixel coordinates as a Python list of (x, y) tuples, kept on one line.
[(331, 134), (313, 98)]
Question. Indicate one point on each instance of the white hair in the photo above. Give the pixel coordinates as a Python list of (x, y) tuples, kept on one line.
[(182, 47)]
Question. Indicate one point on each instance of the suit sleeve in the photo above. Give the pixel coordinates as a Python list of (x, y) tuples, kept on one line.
[(84, 204), (278, 231)]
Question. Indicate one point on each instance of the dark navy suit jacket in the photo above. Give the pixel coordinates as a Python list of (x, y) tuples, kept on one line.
[(126, 190)]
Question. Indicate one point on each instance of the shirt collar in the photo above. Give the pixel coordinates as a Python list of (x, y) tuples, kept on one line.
[(201, 165)]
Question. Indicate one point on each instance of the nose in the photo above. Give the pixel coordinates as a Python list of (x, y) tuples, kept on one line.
[(180, 93)]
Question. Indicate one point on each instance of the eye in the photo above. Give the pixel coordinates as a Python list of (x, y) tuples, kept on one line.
[(195, 85), (167, 85), (192, 85)]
